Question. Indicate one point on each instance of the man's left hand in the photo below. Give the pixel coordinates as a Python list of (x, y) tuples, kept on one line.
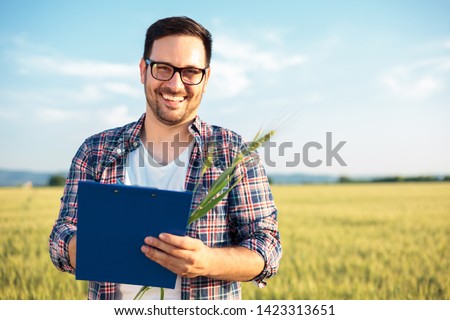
[(185, 256)]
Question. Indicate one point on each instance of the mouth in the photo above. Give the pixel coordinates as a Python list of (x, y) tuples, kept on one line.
[(172, 100)]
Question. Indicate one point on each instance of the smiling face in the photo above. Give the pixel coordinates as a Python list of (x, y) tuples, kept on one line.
[(172, 102)]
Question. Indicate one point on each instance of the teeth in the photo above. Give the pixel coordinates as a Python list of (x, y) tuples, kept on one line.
[(172, 98)]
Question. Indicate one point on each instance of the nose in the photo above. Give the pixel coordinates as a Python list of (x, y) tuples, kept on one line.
[(175, 82)]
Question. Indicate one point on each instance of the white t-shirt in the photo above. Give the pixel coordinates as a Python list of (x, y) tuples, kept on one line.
[(142, 170)]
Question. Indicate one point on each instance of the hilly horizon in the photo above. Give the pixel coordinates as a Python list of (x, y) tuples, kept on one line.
[(12, 178), (15, 178)]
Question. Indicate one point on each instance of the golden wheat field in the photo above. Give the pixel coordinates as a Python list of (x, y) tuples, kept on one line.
[(349, 241)]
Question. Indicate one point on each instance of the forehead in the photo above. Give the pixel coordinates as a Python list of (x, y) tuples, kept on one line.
[(179, 50)]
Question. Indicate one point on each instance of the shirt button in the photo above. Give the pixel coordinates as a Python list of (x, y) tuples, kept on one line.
[(135, 144), (119, 151)]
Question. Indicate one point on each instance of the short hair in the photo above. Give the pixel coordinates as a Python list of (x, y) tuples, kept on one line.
[(177, 26)]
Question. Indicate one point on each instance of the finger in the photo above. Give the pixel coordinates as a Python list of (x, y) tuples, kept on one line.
[(186, 243), (158, 256), (166, 247), (167, 261)]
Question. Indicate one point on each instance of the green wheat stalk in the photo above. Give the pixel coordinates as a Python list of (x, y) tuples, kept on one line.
[(216, 192)]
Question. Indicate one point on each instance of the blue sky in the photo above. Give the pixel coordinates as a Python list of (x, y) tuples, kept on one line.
[(375, 74)]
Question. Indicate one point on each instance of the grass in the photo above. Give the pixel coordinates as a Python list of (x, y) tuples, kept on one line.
[(355, 241), (26, 271), (362, 241)]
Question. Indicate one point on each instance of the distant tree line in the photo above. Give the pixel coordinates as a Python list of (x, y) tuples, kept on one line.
[(56, 180), (345, 179)]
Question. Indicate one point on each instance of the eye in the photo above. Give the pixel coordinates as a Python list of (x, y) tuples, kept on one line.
[(192, 73), (163, 68)]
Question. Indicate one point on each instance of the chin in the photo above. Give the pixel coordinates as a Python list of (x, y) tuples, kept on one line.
[(171, 120)]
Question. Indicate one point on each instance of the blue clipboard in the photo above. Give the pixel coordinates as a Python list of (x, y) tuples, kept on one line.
[(113, 221)]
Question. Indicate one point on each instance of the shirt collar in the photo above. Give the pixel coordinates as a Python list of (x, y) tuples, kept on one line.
[(196, 130), (132, 134), (195, 127)]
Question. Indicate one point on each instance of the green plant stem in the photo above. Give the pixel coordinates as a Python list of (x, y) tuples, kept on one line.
[(141, 292), (216, 193)]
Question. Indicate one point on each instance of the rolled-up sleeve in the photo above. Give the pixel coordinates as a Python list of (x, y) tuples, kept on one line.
[(65, 226), (254, 216)]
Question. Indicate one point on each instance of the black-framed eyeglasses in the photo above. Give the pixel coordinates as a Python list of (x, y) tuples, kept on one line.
[(164, 72)]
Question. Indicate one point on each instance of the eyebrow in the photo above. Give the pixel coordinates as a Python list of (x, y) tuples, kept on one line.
[(188, 66)]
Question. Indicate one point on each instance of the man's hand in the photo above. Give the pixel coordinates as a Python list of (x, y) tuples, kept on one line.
[(185, 256), (73, 251), (189, 258)]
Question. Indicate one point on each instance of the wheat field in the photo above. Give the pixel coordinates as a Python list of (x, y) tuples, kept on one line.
[(345, 241)]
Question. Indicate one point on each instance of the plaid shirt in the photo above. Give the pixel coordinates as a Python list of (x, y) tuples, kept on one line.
[(246, 217)]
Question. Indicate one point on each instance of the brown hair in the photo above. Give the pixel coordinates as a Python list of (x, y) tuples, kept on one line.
[(177, 26)]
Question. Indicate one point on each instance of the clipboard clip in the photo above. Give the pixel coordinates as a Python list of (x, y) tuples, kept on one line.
[(120, 182)]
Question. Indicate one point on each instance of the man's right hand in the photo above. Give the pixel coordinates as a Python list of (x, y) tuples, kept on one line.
[(73, 251)]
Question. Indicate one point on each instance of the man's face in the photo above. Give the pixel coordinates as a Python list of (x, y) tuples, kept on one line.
[(172, 102)]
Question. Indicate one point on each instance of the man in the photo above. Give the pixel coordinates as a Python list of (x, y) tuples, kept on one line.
[(238, 239)]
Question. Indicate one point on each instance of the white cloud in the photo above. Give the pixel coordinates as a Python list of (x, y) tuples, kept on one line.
[(34, 58), (419, 87), (313, 98), (421, 79), (108, 117), (94, 92), (273, 37), (123, 88), (116, 116), (8, 114), (247, 55), (79, 68), (235, 66), (237, 63), (228, 80), (53, 115), (88, 93), (88, 81), (229, 110)]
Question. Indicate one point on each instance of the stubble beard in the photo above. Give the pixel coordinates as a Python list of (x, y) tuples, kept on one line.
[(167, 117)]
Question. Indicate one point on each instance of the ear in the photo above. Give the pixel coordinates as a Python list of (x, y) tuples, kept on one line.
[(207, 73), (143, 70)]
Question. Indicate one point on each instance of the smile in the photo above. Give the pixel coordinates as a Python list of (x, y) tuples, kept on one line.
[(173, 98)]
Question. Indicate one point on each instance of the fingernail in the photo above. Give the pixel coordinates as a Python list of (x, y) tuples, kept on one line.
[(163, 236), (148, 240)]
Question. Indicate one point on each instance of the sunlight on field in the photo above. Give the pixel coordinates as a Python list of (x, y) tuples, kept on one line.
[(363, 241), (355, 241), (26, 219)]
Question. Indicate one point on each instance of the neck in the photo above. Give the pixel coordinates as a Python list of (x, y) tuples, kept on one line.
[(165, 142), (158, 132)]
